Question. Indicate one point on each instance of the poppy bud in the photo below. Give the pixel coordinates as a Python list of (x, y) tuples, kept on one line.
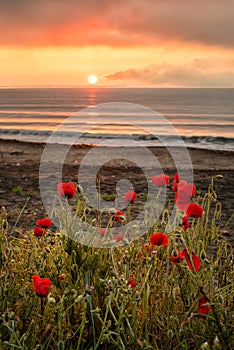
[(219, 176), (51, 300)]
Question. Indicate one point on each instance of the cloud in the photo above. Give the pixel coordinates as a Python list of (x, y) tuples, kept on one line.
[(116, 22), (198, 73)]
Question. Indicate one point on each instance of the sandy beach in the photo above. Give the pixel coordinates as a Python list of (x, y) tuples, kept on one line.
[(19, 169)]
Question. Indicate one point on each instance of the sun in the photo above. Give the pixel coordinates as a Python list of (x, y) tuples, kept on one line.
[(92, 79)]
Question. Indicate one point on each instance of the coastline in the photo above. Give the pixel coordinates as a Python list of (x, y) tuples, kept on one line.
[(20, 161)]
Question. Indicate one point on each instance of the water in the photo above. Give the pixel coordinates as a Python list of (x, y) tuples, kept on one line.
[(204, 118)]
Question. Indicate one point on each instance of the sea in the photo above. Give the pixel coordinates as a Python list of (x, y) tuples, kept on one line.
[(200, 117)]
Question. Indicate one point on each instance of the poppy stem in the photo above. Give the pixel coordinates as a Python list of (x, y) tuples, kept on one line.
[(42, 307)]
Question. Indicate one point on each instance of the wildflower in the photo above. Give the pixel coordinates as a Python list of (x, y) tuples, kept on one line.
[(39, 231), (176, 257), (147, 247), (176, 180), (102, 232), (45, 223), (189, 189), (61, 278), (130, 196), (87, 286), (203, 308), (184, 255), (67, 189), (194, 210), (185, 223), (132, 281), (41, 286), (182, 200), (118, 216), (159, 239), (119, 237), (196, 262), (161, 180)]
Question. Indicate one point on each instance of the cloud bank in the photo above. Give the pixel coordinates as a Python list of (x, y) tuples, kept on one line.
[(198, 73), (116, 22)]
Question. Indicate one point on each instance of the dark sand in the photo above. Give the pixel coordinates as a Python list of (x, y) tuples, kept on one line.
[(19, 167)]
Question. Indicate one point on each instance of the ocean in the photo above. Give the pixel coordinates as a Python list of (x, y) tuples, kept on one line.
[(201, 117)]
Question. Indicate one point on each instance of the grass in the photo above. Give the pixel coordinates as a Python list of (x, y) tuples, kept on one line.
[(18, 190), (92, 306)]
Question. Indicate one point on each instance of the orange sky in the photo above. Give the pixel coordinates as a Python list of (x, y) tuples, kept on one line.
[(123, 42)]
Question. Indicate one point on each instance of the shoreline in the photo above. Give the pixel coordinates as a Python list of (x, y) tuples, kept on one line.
[(20, 162)]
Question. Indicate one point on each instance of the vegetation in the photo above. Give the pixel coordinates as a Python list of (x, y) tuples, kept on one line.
[(134, 296)]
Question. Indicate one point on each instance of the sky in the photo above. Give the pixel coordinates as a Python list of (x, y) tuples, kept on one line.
[(139, 43)]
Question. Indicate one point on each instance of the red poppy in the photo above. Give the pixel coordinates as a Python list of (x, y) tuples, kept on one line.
[(185, 255), (102, 232), (67, 189), (147, 247), (161, 180), (185, 223), (41, 286), (130, 196), (196, 262), (39, 231), (118, 216), (45, 223), (132, 281), (177, 258), (119, 237), (182, 200), (61, 278), (194, 210), (176, 180), (189, 189), (203, 308), (159, 239)]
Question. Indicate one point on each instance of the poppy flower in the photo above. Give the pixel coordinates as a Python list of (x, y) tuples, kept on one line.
[(39, 231), (119, 237), (203, 308), (61, 278), (102, 232), (187, 188), (185, 223), (194, 210), (185, 255), (159, 239), (132, 281), (147, 247), (67, 189), (182, 200), (130, 196), (41, 286), (118, 216), (176, 180), (45, 223), (161, 180), (177, 257), (196, 262)]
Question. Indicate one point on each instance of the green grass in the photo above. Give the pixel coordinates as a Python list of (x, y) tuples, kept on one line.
[(18, 190), (91, 305)]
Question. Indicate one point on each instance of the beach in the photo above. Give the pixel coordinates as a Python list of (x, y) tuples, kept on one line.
[(19, 169)]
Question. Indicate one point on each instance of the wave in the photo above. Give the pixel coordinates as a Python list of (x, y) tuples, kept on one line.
[(214, 142)]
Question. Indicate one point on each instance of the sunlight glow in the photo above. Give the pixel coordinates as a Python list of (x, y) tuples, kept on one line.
[(92, 79)]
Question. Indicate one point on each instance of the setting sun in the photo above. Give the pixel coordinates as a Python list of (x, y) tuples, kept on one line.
[(92, 79)]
